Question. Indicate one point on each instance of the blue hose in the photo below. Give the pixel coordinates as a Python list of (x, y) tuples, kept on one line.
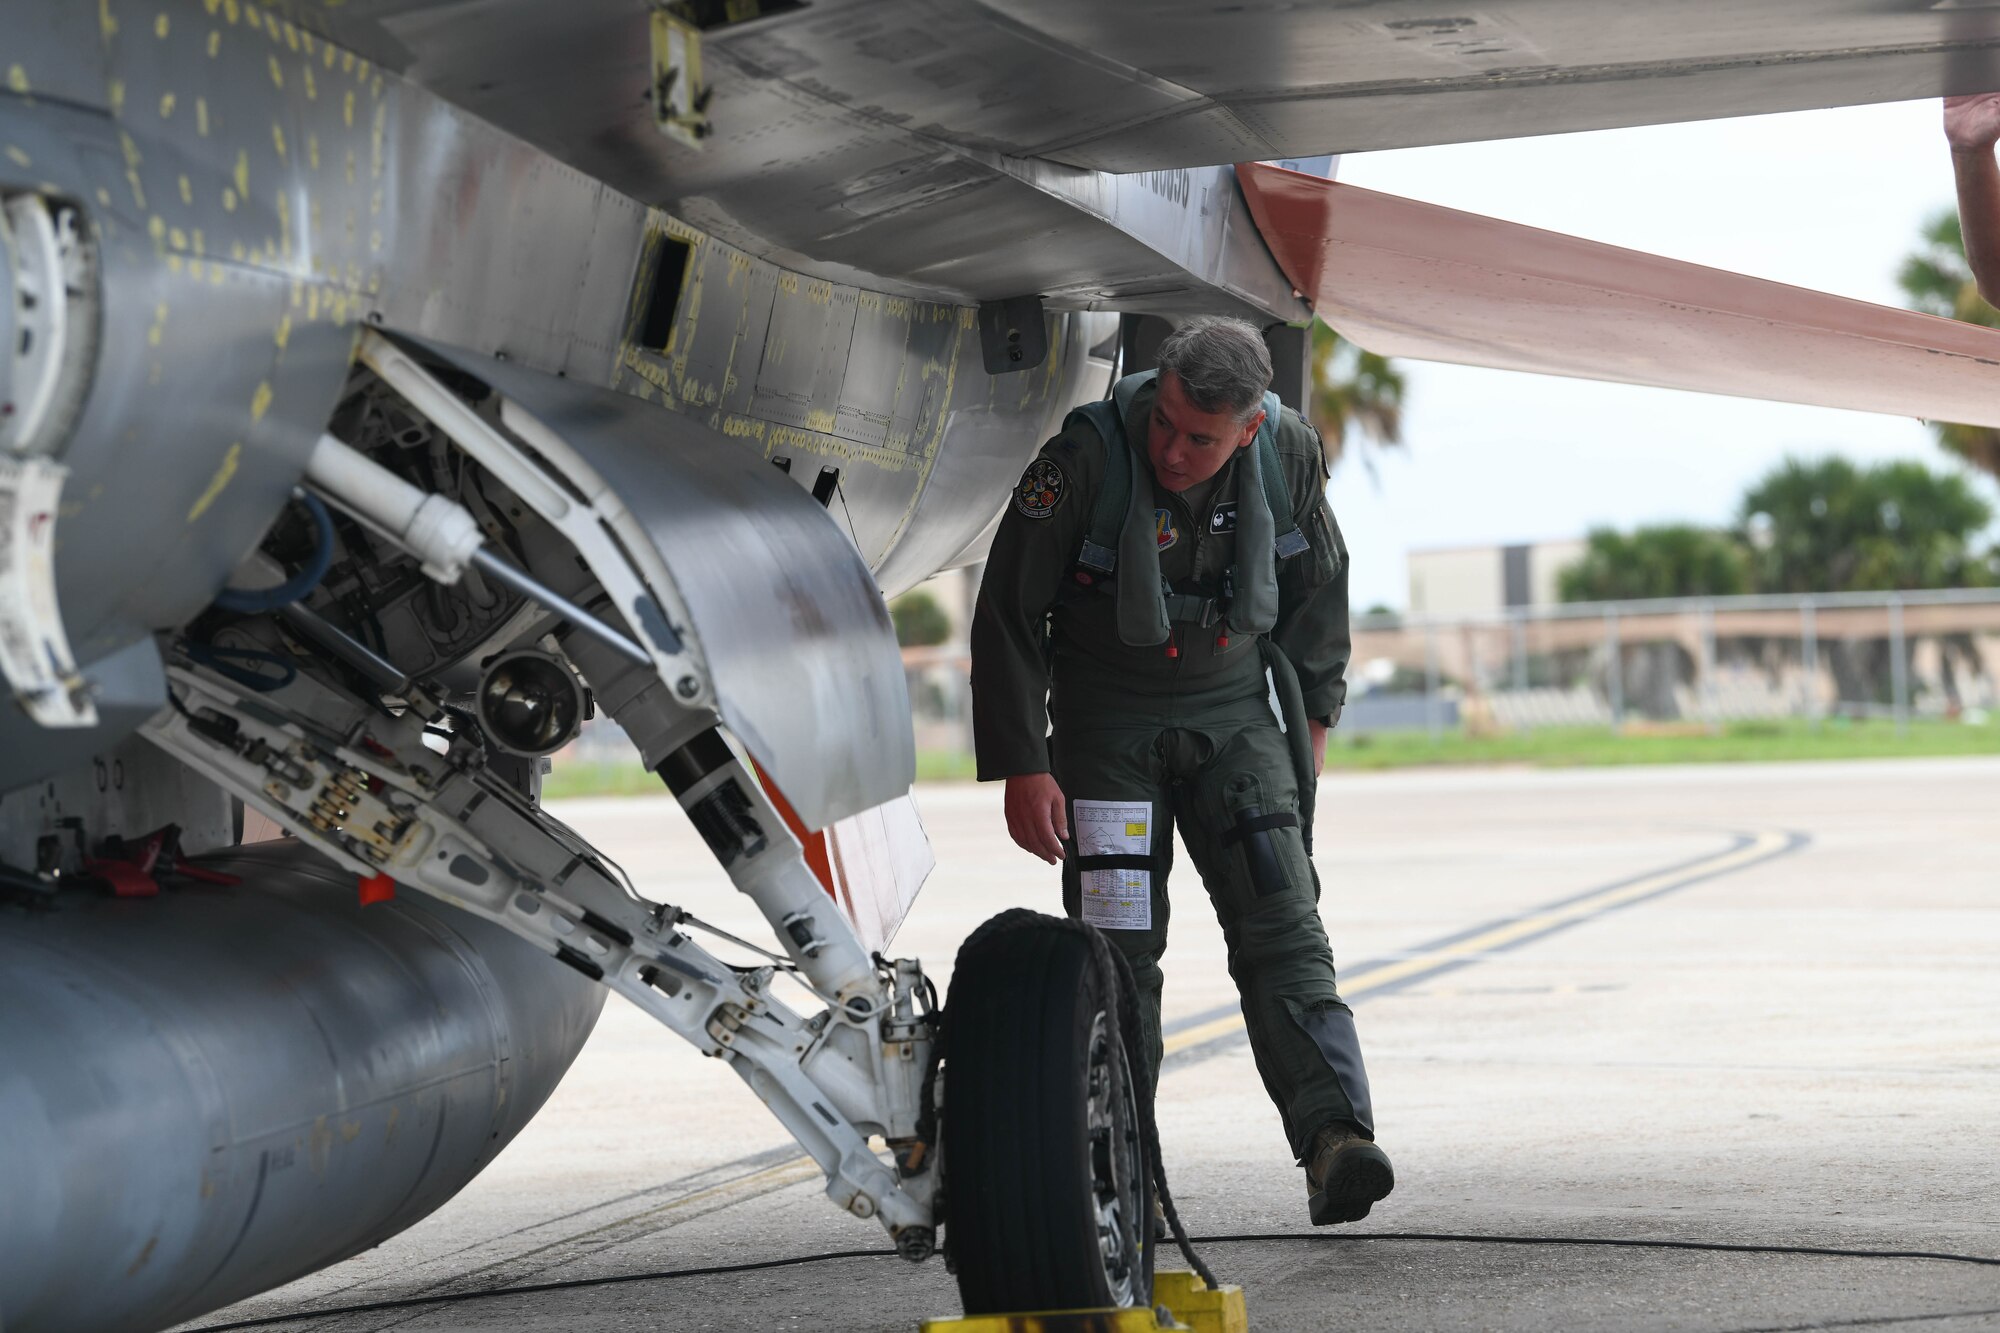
[(250, 601)]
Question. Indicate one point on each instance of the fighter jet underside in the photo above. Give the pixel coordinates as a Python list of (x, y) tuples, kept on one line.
[(386, 385)]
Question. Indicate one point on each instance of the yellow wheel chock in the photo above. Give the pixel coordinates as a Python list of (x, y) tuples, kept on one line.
[(1188, 1303)]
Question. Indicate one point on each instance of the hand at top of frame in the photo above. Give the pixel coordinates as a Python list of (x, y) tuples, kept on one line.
[(1972, 122)]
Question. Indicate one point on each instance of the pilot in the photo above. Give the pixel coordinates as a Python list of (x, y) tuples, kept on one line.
[(1160, 642)]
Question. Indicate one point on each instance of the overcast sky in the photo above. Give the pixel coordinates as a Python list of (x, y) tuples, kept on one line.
[(1825, 199)]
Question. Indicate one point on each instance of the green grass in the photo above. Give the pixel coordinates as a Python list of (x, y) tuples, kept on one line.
[(1735, 742), (1552, 747), (576, 778)]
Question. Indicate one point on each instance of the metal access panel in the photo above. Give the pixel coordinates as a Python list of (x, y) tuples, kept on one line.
[(794, 629), (898, 372), (805, 356)]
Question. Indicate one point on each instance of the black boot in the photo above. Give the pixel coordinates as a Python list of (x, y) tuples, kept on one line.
[(1345, 1175)]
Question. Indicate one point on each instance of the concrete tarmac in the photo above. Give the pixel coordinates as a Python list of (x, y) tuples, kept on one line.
[(1739, 1006)]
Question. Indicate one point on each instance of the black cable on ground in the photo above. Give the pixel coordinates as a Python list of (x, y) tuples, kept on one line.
[(453, 1297), (795, 1261)]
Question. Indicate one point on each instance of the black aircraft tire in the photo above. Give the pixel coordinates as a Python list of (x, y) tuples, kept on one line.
[(1029, 1187)]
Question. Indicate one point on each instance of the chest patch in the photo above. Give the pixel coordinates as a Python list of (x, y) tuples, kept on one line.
[(1164, 531), (1223, 519), (1040, 490)]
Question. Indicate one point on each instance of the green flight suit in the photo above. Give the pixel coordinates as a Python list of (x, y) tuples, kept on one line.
[(1195, 735)]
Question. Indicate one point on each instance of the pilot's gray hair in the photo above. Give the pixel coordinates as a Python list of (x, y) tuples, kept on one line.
[(1222, 364)]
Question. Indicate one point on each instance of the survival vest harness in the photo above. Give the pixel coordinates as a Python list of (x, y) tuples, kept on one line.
[(1122, 532)]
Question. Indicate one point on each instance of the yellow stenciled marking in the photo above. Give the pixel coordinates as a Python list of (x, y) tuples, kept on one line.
[(228, 199), (242, 174), (277, 73), (284, 333), (17, 79), (312, 89), (278, 138), (260, 401), (158, 332), (166, 106), (218, 482), (160, 26), (187, 190), (312, 151), (376, 134), (117, 92), (19, 158), (1506, 933), (214, 43), (201, 116), (347, 115), (106, 24)]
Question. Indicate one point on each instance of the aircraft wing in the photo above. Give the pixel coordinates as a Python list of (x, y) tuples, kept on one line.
[(955, 148), (1412, 279), (1138, 85)]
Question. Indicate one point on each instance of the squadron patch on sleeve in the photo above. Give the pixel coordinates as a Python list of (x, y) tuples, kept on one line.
[(1040, 490)]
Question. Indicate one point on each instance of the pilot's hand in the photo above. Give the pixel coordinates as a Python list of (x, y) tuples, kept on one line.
[(1316, 734), (1036, 815), (1972, 122)]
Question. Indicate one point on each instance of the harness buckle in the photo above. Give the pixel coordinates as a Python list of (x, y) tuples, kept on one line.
[(1103, 559)]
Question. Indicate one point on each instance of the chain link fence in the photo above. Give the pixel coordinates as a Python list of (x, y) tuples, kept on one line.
[(1699, 662), (1671, 664)]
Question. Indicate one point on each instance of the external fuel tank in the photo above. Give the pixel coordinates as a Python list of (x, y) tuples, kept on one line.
[(209, 1093)]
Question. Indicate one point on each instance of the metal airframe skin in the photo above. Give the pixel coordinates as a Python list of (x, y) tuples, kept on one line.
[(258, 192), (211, 1093)]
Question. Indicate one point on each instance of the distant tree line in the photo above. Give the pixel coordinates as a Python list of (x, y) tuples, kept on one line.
[(1818, 525)]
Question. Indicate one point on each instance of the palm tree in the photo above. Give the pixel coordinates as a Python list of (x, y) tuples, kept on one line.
[(1353, 391), (1664, 560), (1937, 280)]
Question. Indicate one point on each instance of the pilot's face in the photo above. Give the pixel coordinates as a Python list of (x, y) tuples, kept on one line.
[(1188, 446)]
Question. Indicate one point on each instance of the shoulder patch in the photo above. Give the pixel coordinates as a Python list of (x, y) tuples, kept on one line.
[(1164, 531), (1223, 519), (1041, 489)]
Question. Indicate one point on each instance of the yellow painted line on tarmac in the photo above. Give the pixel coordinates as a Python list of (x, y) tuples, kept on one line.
[(1760, 846), (802, 1168)]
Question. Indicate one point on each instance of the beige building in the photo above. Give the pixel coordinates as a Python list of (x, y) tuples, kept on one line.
[(1476, 580)]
